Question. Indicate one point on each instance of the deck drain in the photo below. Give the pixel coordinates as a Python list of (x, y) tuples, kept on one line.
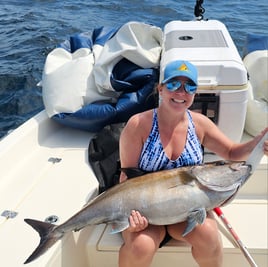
[(54, 160), (9, 214), (52, 219)]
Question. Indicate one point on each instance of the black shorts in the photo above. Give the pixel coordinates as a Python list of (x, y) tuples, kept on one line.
[(166, 239)]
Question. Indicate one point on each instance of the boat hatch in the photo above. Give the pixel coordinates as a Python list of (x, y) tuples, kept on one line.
[(208, 38)]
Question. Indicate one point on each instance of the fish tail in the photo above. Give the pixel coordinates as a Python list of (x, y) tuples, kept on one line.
[(48, 237)]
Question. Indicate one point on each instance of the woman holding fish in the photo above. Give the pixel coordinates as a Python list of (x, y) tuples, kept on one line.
[(172, 136)]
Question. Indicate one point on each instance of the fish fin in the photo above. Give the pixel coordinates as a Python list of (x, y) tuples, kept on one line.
[(48, 237), (119, 226), (133, 172), (195, 217)]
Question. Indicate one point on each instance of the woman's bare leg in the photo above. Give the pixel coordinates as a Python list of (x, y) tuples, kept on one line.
[(139, 247), (205, 240)]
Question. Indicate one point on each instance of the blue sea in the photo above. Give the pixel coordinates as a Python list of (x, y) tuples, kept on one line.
[(30, 29)]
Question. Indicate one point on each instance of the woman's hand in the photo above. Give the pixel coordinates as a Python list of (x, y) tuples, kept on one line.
[(137, 222)]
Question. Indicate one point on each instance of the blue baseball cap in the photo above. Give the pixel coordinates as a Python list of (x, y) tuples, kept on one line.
[(180, 68)]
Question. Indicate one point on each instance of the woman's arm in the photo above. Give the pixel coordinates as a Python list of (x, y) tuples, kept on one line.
[(131, 142), (130, 145), (216, 141)]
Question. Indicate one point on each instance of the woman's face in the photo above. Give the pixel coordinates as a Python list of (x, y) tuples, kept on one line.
[(178, 99)]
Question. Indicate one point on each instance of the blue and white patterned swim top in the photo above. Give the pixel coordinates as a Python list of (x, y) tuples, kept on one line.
[(154, 158)]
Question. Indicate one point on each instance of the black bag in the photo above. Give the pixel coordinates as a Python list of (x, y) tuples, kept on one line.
[(103, 156)]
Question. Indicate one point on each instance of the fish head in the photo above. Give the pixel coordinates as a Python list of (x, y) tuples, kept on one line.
[(240, 171), (222, 175)]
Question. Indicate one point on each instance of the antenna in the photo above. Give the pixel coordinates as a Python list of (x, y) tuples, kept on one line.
[(199, 10)]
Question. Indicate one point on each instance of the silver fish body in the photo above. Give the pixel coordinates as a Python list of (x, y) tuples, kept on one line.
[(163, 197)]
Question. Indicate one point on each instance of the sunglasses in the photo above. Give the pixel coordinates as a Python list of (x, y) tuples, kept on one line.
[(174, 85)]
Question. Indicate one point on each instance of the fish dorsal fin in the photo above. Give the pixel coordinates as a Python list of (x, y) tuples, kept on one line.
[(184, 178), (195, 217), (119, 226)]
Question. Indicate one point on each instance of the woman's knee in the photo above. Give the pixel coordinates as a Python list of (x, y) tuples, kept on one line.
[(205, 241), (207, 245), (142, 246), (206, 234), (144, 243)]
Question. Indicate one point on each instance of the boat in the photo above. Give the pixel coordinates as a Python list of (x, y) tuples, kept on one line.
[(46, 174)]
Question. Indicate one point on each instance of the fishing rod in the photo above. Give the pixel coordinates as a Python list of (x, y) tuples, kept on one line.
[(242, 247)]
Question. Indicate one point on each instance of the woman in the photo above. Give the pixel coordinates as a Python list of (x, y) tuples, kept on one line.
[(170, 137)]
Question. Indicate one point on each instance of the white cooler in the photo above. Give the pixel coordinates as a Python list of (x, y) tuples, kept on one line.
[(222, 82)]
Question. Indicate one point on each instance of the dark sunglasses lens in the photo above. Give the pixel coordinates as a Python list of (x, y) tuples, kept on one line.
[(173, 85), (190, 88)]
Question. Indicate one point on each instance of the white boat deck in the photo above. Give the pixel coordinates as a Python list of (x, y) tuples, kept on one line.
[(35, 187)]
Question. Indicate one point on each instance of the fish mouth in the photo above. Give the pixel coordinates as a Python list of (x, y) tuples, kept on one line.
[(236, 165)]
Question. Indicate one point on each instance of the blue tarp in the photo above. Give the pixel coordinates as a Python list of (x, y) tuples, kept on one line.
[(135, 84), (86, 40)]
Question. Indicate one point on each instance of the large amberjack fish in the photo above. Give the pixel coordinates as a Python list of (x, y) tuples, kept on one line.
[(163, 197)]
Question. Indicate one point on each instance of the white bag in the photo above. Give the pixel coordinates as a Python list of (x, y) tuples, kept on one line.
[(64, 80), (138, 42), (72, 80), (256, 63)]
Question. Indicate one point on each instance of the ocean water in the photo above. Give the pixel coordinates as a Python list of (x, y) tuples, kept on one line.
[(30, 29)]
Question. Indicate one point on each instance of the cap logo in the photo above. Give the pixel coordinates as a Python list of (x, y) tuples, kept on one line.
[(183, 67)]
